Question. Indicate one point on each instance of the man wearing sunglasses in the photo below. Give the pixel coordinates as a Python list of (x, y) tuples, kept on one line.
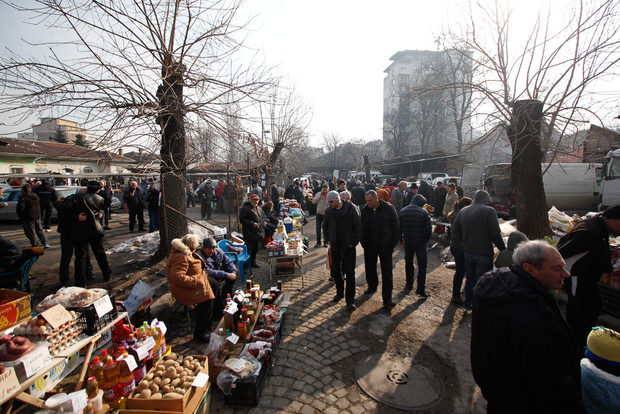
[(343, 230)]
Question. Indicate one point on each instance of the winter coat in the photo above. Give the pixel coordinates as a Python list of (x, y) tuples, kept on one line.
[(451, 199), (523, 355), (46, 193), (28, 207), (186, 275), (358, 196), (342, 227), (439, 200), (426, 190), (67, 214), (600, 390), (218, 264), (90, 204), (9, 254), (592, 236), (206, 194), (132, 203), (275, 197), (380, 229), (397, 199), (477, 228), (298, 194), (289, 193), (320, 200), (415, 224), (248, 215), (504, 258), (106, 194), (152, 198)]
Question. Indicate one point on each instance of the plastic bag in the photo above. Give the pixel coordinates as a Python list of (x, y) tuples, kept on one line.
[(226, 378), (140, 294), (215, 349), (71, 297), (259, 349), (559, 221)]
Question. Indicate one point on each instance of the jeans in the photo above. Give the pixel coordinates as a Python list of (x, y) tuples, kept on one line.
[(319, 225), (153, 220), (343, 264), (459, 273), (32, 228), (372, 279), (133, 214), (420, 252), (476, 265)]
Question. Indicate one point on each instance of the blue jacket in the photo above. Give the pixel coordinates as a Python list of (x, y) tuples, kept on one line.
[(415, 225), (219, 264)]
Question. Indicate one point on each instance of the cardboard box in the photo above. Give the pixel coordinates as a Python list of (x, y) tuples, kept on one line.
[(196, 405), (47, 382), (15, 309), (179, 405)]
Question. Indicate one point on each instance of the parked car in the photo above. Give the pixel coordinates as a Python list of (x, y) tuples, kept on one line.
[(430, 177)]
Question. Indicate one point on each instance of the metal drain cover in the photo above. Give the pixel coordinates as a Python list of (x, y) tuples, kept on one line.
[(398, 383)]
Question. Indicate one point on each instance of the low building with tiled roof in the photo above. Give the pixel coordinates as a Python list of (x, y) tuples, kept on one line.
[(19, 156)]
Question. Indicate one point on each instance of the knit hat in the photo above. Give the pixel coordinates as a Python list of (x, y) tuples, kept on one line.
[(418, 200), (254, 197), (603, 346), (209, 242), (333, 196)]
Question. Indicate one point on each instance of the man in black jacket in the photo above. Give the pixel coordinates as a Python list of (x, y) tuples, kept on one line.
[(251, 218), (47, 195), (29, 212), (415, 230), (380, 234), (523, 355), (587, 246), (134, 198), (343, 230)]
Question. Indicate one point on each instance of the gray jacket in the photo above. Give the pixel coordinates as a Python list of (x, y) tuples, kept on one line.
[(477, 228), (397, 199)]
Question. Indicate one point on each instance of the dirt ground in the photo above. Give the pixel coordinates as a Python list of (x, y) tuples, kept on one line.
[(431, 332)]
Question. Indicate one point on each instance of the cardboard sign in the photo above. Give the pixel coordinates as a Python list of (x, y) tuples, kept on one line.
[(200, 380), (130, 360), (8, 383), (103, 306), (232, 338), (35, 360), (56, 316)]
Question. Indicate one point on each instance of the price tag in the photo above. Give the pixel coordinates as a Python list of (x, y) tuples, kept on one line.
[(161, 325), (103, 306), (232, 338), (56, 316), (232, 308), (273, 289), (130, 360), (35, 360), (78, 400), (8, 383), (239, 365), (200, 380), (142, 352), (149, 343)]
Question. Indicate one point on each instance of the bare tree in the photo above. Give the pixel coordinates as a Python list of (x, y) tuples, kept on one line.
[(135, 71), (397, 124), (556, 66), (331, 143)]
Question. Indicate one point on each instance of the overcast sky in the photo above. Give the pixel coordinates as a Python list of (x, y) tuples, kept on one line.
[(333, 51)]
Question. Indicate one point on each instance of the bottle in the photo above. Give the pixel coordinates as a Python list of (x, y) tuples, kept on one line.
[(92, 388), (156, 335), (95, 369), (162, 338), (110, 380), (126, 380), (120, 351), (89, 409)]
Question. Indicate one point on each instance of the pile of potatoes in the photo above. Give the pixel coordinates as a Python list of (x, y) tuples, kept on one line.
[(170, 379)]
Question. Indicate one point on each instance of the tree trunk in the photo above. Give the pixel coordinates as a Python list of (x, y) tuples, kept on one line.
[(173, 168), (529, 193)]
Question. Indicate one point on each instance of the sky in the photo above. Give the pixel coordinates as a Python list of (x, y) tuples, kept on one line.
[(334, 52)]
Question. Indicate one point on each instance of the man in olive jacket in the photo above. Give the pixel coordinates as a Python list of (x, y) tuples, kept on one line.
[(343, 231), (380, 234)]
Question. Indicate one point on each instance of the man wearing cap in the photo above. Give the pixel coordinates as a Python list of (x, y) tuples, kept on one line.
[(221, 272), (343, 231), (398, 196), (320, 199), (207, 195), (523, 355), (251, 218), (380, 234)]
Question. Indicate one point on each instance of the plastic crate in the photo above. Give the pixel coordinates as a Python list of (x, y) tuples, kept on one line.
[(247, 391), (610, 299), (90, 322)]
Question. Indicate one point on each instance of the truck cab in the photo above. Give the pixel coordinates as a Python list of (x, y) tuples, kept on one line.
[(610, 184)]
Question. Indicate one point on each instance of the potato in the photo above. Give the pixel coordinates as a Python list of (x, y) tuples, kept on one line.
[(187, 384), (172, 355), (169, 363), (166, 389), (149, 376), (188, 358), (145, 393), (179, 390), (175, 382), (159, 373), (187, 364), (165, 381), (156, 396), (156, 381), (143, 385), (179, 370), (172, 395), (154, 388)]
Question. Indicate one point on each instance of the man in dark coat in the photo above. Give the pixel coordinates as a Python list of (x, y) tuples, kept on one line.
[(477, 228), (358, 195), (152, 198), (221, 272), (275, 197), (106, 194), (587, 247), (89, 232), (47, 195), (298, 195), (439, 199), (207, 197), (523, 355), (343, 230), (29, 212), (134, 199), (251, 218), (380, 234), (426, 190), (415, 230)]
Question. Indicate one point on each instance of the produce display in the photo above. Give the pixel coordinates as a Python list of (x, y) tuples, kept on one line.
[(172, 378)]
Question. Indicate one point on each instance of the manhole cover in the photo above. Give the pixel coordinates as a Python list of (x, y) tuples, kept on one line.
[(398, 383)]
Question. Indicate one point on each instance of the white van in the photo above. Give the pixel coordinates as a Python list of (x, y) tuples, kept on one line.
[(610, 185)]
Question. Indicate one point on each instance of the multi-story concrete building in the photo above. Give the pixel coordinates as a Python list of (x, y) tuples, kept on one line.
[(426, 101), (48, 129)]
